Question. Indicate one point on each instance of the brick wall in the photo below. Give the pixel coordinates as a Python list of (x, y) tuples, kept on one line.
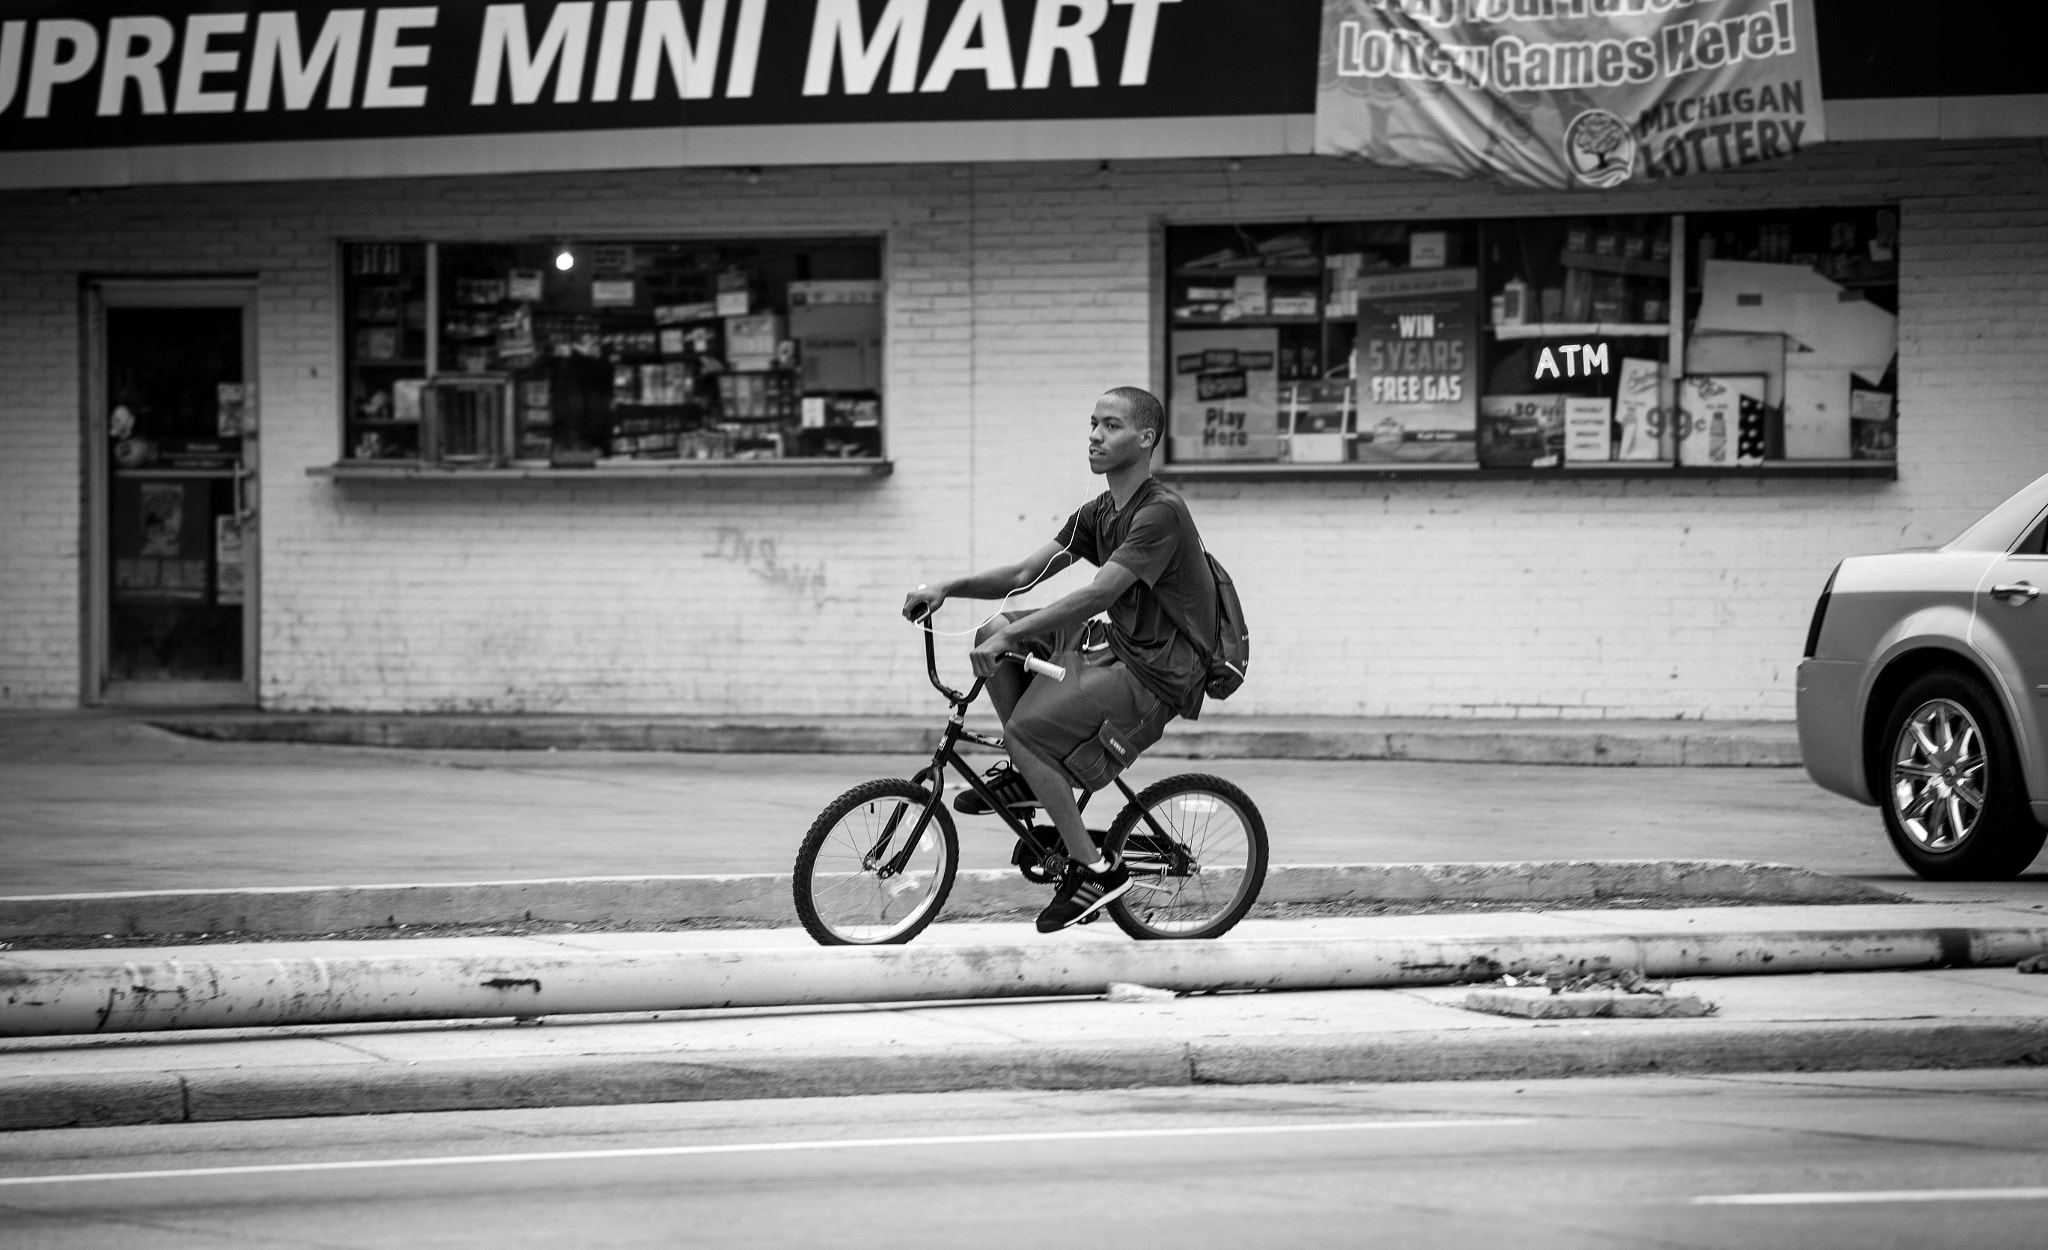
[(1017, 293)]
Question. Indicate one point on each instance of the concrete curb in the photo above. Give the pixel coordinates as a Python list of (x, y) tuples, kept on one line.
[(1603, 1048), (43, 996), (765, 898), (1709, 744)]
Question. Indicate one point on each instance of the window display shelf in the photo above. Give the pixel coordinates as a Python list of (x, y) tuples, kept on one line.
[(1582, 329), (651, 470), (1882, 470)]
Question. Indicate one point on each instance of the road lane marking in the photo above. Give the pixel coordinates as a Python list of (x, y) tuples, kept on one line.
[(851, 1143), (2034, 1194)]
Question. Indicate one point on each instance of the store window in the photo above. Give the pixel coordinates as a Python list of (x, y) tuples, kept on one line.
[(581, 353), (1724, 340)]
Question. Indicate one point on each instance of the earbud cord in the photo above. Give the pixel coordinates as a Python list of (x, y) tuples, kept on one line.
[(1003, 604)]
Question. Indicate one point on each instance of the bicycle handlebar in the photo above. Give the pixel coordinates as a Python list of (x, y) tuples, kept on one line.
[(1032, 664)]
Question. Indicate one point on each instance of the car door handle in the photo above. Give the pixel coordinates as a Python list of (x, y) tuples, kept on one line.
[(2015, 593)]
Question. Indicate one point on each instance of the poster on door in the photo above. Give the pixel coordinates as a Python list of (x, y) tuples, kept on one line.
[(162, 541)]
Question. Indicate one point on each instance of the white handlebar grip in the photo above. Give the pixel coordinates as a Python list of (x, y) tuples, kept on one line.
[(1032, 664)]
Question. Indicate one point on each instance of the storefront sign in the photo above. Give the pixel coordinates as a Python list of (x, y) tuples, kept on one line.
[(1418, 365), (1568, 93), (82, 75)]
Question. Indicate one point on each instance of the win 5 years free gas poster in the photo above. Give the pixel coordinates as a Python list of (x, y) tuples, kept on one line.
[(1418, 366)]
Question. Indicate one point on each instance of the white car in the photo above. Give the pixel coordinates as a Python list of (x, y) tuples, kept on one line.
[(1924, 691)]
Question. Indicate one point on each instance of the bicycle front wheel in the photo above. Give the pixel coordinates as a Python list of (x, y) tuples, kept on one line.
[(1196, 864), (855, 885)]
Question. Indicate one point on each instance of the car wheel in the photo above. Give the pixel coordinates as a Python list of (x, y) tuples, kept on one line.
[(1948, 779)]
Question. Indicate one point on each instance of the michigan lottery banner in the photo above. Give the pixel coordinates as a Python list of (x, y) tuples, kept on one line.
[(1568, 93)]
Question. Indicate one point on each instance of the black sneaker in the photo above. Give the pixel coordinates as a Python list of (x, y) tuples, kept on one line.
[(1008, 785), (1082, 894)]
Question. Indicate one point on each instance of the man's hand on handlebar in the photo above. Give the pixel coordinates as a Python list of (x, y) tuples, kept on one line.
[(921, 603), (991, 652)]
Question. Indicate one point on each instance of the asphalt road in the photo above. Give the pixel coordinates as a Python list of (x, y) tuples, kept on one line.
[(1869, 1161)]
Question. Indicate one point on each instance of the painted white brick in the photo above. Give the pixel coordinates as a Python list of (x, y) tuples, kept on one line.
[(1017, 293)]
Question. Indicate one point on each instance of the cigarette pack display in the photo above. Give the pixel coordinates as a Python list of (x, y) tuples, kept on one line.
[(835, 291), (1642, 428), (1521, 431), (677, 314), (1588, 428), (1710, 415), (524, 285)]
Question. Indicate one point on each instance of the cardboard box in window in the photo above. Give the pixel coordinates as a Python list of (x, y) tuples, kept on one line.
[(1816, 413), (840, 345)]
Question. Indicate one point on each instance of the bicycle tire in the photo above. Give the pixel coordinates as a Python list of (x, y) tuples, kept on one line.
[(1229, 857), (833, 899)]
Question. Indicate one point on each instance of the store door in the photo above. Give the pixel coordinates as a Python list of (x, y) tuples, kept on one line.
[(171, 412)]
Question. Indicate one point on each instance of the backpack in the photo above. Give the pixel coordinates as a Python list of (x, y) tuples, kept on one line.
[(1231, 654), (1233, 651)]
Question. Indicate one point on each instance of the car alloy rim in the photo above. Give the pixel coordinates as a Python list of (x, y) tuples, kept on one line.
[(1938, 767)]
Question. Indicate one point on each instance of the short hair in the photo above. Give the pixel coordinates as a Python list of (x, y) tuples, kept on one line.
[(1144, 409)]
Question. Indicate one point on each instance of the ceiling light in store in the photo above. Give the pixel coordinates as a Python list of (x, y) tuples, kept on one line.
[(565, 261)]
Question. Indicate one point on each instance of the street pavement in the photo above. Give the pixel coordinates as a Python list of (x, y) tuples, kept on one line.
[(95, 803), (1874, 1161), (100, 803)]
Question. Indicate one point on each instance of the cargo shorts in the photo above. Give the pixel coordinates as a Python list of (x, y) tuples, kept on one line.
[(1096, 722)]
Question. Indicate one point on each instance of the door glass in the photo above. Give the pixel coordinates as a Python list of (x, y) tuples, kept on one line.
[(176, 401)]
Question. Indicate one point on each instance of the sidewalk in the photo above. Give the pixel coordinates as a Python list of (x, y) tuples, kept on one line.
[(92, 802), (1868, 1020)]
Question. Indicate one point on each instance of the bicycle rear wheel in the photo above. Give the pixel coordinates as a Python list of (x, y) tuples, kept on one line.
[(854, 887), (1204, 874)]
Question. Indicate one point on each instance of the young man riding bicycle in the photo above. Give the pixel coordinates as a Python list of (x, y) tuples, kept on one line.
[(1126, 679)]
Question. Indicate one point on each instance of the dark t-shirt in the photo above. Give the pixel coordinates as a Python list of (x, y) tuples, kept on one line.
[(1155, 538)]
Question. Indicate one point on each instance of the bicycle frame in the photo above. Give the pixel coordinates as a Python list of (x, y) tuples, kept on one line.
[(947, 753)]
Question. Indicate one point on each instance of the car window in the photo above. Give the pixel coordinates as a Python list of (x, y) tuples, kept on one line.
[(1997, 529), (2036, 541)]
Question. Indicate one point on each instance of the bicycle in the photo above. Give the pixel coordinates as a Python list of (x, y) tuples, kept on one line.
[(1195, 846)]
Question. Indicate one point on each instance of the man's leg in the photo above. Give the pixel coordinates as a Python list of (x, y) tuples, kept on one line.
[(1006, 684), (1055, 792)]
